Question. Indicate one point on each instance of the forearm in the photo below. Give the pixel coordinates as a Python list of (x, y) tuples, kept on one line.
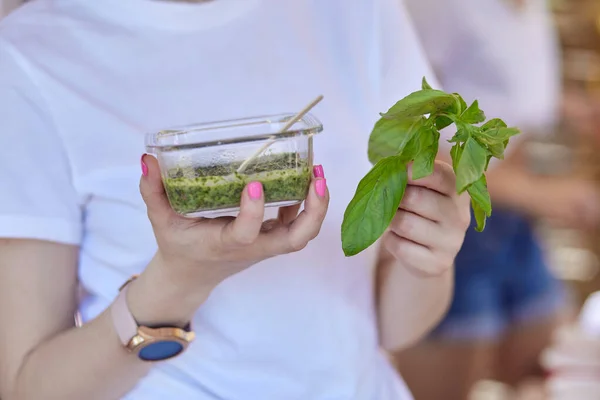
[(86, 362), (89, 362), (409, 305)]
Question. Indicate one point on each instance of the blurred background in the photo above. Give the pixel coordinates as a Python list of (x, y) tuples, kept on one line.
[(574, 145), (568, 149)]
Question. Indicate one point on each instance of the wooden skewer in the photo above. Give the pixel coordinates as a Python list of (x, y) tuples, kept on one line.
[(287, 126)]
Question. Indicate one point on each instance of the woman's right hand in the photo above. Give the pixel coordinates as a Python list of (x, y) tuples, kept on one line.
[(206, 251)]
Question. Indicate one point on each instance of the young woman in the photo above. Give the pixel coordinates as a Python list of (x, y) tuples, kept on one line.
[(278, 313)]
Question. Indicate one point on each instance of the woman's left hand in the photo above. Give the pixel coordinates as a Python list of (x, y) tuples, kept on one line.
[(430, 225)]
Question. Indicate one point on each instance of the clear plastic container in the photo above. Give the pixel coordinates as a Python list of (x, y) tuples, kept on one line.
[(200, 164)]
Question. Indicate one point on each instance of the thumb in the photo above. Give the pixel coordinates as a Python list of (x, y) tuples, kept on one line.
[(153, 191)]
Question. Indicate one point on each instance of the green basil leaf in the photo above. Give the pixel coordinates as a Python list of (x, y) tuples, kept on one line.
[(424, 162), (473, 115), (480, 216), (471, 164), (487, 163), (419, 103), (502, 134), (497, 150), (442, 122), (496, 135), (374, 205), (463, 133), (460, 136), (425, 85), (461, 102), (456, 153), (390, 136), (416, 144), (480, 195), (493, 123)]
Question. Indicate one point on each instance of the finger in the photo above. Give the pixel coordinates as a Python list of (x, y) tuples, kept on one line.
[(427, 203), (442, 180), (417, 258), (288, 214), (416, 229), (153, 191), (306, 226), (245, 228)]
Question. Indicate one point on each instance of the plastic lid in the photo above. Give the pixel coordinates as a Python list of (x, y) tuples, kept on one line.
[(231, 131)]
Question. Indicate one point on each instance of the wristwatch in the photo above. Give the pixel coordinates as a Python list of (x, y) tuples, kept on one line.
[(149, 343)]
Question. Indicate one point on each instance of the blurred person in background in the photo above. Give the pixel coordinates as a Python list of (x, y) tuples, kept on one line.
[(276, 314), (506, 303)]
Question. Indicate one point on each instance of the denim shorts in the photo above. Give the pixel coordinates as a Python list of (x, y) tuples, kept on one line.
[(501, 278)]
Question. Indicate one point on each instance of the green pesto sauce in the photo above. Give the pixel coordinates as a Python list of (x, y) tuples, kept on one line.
[(285, 177)]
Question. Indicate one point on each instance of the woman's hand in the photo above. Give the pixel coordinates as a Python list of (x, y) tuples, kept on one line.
[(196, 254), (415, 274), (430, 225), (214, 249)]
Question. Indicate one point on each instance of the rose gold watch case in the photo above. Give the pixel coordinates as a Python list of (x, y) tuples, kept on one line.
[(147, 336)]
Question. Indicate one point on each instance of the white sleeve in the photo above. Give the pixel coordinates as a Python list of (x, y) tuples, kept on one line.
[(38, 200)]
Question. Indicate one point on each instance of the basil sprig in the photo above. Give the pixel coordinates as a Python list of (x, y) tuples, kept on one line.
[(409, 132)]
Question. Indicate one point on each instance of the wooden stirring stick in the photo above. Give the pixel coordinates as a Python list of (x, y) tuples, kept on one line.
[(287, 126)]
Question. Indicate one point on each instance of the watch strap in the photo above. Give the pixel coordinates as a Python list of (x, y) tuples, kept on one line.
[(123, 321)]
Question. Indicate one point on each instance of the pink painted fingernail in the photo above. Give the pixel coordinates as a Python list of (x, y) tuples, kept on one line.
[(144, 166), (321, 187), (255, 190), (318, 171)]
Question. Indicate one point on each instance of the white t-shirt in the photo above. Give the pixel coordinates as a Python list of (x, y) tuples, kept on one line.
[(505, 56), (82, 81)]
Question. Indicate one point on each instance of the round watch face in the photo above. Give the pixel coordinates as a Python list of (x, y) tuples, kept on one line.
[(162, 350)]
